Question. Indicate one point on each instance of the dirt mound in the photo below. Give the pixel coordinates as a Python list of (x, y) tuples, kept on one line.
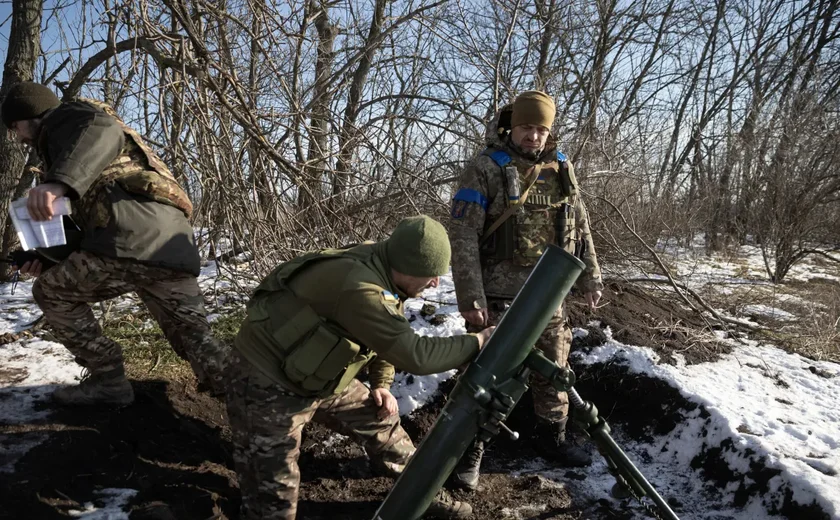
[(178, 463), (652, 318), (644, 407), (338, 484)]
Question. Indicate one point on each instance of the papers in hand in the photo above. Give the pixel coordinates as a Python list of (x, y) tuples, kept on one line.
[(44, 233)]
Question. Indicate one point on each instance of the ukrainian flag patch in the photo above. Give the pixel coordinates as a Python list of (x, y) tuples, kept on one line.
[(391, 302)]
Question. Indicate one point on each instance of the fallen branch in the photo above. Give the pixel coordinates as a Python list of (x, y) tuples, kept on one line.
[(665, 271), (706, 306)]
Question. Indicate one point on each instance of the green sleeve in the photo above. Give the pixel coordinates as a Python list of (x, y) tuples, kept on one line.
[(361, 311), (81, 143), (381, 374)]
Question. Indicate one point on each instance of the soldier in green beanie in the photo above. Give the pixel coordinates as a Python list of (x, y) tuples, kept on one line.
[(312, 325)]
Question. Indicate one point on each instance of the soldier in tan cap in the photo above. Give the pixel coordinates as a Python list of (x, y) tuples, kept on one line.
[(514, 198)]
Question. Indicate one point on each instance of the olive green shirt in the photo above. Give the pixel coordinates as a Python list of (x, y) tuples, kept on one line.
[(359, 300)]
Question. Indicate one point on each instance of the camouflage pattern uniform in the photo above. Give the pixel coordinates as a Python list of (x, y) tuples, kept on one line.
[(267, 421), (136, 238), (489, 275), (290, 366), (174, 300)]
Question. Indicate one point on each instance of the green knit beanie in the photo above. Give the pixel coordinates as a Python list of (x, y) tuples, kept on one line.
[(419, 246), (27, 100)]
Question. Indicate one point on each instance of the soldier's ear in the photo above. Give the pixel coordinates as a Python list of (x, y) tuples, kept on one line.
[(504, 120)]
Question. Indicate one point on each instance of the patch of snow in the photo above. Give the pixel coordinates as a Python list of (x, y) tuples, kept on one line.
[(109, 507), (17, 310), (31, 370), (765, 311), (334, 439), (15, 446), (768, 405), (414, 391), (29, 373)]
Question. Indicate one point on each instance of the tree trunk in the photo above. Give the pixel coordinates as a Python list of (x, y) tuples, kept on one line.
[(23, 52), (347, 138), (319, 121)]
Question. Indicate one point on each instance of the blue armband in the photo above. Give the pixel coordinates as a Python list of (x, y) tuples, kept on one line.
[(464, 197)]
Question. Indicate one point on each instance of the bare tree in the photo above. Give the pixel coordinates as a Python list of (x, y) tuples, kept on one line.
[(22, 56)]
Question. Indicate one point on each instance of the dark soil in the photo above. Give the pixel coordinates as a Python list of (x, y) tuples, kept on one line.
[(169, 445), (649, 318), (172, 444)]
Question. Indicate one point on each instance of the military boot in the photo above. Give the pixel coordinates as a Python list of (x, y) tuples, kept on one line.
[(444, 506), (466, 472), (554, 444), (110, 387)]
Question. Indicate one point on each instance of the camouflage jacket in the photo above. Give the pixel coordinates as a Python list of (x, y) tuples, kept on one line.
[(553, 213), (127, 203)]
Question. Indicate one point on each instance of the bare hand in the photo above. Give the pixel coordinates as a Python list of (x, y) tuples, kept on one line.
[(386, 402), (484, 336), (41, 199), (592, 298), (477, 317), (32, 268)]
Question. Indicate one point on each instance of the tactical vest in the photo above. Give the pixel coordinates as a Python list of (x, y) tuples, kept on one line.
[(317, 361), (546, 216), (138, 170)]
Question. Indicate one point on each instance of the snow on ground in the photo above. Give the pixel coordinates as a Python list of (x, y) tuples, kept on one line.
[(16, 310), (414, 391), (766, 311), (764, 405), (29, 372), (109, 507)]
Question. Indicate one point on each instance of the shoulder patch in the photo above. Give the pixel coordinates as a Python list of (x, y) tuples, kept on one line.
[(391, 302), (459, 207), (561, 156), (471, 195)]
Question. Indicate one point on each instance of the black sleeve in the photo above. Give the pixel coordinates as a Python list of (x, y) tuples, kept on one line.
[(81, 141)]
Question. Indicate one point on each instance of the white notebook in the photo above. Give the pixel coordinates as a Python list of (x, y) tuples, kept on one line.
[(44, 233)]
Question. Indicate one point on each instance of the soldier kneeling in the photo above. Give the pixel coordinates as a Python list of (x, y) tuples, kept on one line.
[(312, 325)]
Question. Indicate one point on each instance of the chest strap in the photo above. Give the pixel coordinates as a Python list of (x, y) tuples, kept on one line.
[(530, 179)]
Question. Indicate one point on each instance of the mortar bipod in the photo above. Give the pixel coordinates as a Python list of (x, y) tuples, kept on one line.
[(627, 474)]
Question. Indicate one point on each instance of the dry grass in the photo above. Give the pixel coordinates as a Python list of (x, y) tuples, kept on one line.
[(147, 352), (816, 333), (821, 340)]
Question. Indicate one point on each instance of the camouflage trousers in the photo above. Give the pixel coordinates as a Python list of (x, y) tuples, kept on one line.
[(173, 298), (555, 342), (267, 422)]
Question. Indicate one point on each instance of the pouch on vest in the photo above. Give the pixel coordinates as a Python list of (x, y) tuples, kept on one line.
[(566, 228), (319, 359), (314, 356), (501, 244)]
